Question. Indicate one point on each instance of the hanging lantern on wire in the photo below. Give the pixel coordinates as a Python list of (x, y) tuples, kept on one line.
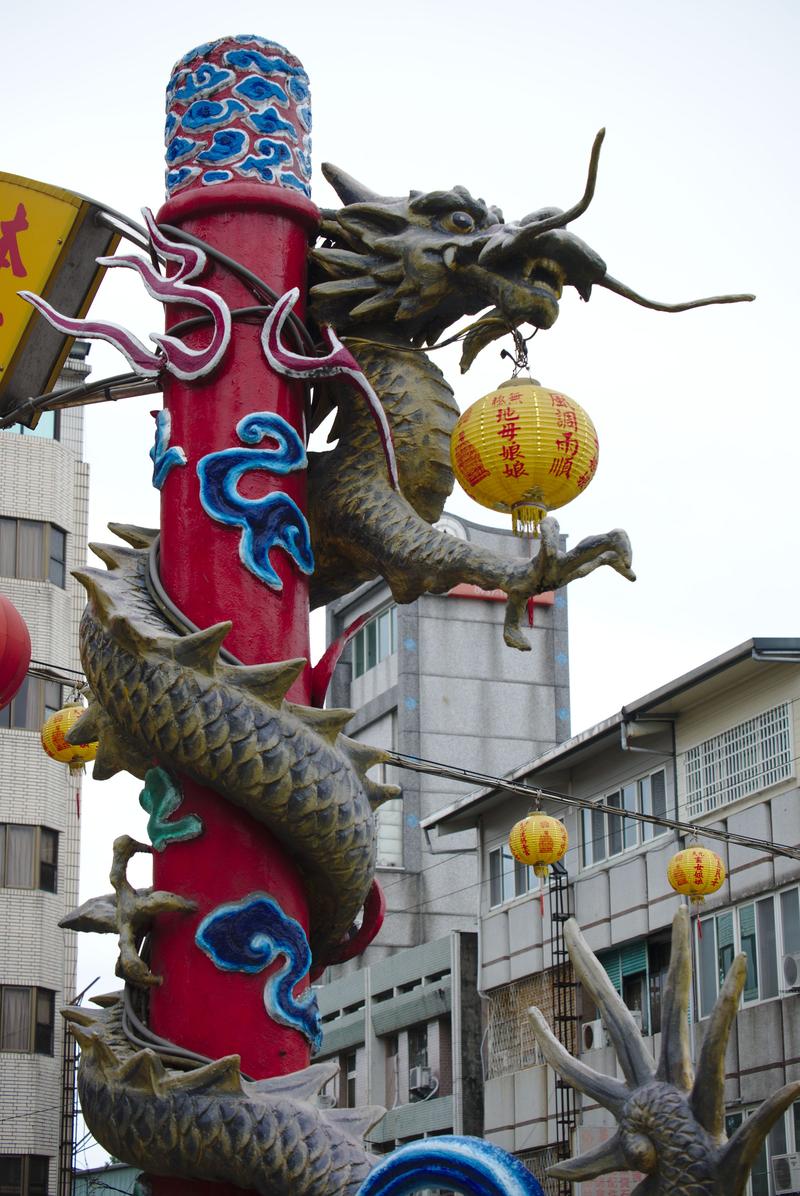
[(15, 650), (54, 737), (695, 872), (539, 841), (526, 450)]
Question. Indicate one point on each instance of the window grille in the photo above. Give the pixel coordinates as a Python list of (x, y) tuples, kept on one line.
[(510, 1043), (740, 761), (538, 1162)]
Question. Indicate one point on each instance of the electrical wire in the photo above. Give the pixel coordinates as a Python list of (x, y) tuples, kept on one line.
[(536, 793)]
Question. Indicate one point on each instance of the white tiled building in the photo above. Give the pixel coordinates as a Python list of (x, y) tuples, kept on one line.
[(716, 748), (44, 501)]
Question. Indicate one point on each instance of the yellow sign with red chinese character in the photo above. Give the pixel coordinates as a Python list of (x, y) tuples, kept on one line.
[(48, 245), (524, 449)]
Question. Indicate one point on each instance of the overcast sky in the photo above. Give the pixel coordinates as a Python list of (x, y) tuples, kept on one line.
[(697, 195)]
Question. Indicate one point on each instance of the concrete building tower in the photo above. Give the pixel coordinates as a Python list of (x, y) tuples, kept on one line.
[(434, 680), (44, 504)]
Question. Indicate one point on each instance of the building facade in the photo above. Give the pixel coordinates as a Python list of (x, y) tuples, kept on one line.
[(434, 679), (714, 748), (44, 503)]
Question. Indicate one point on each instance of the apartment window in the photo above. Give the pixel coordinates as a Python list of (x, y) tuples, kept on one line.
[(26, 1019), (764, 930), (23, 1175), (768, 1166), (48, 428), (28, 857), (508, 878), (376, 640), (604, 835), (36, 700), (32, 550), (626, 968), (347, 1080), (418, 1046), (740, 761)]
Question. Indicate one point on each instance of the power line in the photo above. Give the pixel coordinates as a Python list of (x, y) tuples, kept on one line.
[(535, 793)]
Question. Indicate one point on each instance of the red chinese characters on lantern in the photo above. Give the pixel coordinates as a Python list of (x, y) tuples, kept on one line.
[(468, 460), (10, 256), (508, 417), (567, 445)]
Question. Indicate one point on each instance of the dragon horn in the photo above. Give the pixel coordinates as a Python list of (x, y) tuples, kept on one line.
[(520, 239), (346, 187), (740, 1153), (675, 1066), (619, 288)]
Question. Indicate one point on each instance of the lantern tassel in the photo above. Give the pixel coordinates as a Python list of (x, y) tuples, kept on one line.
[(525, 520)]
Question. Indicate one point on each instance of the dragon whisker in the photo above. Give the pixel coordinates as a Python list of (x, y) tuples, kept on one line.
[(619, 288)]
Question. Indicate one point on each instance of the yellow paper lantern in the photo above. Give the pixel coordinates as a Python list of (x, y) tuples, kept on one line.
[(538, 840), (526, 450), (54, 738), (695, 872)]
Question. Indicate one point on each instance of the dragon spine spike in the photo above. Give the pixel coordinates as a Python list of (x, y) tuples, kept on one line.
[(137, 537), (200, 649), (112, 555), (328, 722), (363, 755), (267, 682), (357, 1122), (298, 1085), (143, 1070), (88, 578), (608, 1156), (708, 1093), (223, 1075), (675, 1062), (608, 1092), (634, 1058), (378, 794)]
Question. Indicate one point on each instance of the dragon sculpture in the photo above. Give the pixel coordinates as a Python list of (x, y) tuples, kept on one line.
[(390, 275), (671, 1119)]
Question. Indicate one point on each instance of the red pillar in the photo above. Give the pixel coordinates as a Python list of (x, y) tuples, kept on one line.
[(261, 218)]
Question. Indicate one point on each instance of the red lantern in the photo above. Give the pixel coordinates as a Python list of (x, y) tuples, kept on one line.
[(15, 650)]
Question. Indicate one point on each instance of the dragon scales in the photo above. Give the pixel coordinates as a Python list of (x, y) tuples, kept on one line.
[(266, 875)]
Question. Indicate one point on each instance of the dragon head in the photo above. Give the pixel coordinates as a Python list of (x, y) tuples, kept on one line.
[(423, 261)]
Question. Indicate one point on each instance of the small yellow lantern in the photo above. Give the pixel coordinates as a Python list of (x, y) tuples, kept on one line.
[(538, 840), (524, 449), (695, 872), (54, 738)]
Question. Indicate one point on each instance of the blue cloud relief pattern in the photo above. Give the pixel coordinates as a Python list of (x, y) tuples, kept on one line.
[(249, 935), (234, 91)]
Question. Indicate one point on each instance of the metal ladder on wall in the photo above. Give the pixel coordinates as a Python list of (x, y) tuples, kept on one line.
[(565, 1013), (68, 1113)]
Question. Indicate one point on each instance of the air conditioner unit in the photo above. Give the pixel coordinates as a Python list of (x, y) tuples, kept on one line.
[(593, 1035), (791, 969), (419, 1079), (786, 1173)]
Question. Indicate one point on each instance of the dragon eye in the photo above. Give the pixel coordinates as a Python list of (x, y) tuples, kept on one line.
[(459, 222)]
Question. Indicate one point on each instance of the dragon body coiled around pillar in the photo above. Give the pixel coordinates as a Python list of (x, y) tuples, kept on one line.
[(211, 1122)]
